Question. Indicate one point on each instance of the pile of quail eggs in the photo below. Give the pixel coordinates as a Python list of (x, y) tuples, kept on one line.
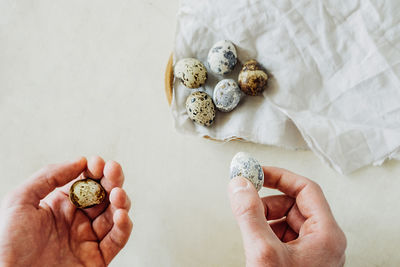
[(221, 60)]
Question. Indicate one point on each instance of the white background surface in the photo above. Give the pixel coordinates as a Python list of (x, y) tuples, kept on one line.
[(86, 78)]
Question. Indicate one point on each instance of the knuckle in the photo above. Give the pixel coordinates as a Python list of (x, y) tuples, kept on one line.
[(45, 171), (116, 164), (342, 241), (41, 171), (314, 186), (128, 203), (49, 167), (49, 179), (50, 174), (96, 158), (342, 260), (335, 242)]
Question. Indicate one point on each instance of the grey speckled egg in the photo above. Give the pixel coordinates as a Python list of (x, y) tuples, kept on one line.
[(200, 108), (248, 167), (222, 57), (191, 72), (252, 78), (227, 95)]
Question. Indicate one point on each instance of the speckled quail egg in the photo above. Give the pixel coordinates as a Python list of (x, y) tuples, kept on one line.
[(252, 78), (222, 57), (227, 95), (244, 165), (200, 108), (86, 193), (191, 72)]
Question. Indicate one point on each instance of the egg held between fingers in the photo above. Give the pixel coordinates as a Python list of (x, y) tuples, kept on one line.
[(244, 165), (87, 193)]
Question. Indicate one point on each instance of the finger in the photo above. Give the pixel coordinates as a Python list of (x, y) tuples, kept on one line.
[(81, 229), (66, 188), (95, 168), (279, 228), (113, 177), (295, 219), (277, 206), (49, 178), (309, 197), (283, 231), (119, 199), (116, 239), (104, 222), (289, 235), (249, 212)]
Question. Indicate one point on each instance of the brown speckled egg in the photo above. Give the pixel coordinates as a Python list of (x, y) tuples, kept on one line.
[(200, 108), (252, 78), (87, 193), (191, 72)]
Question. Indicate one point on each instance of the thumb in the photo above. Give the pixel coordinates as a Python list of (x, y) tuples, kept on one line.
[(249, 212), (47, 179)]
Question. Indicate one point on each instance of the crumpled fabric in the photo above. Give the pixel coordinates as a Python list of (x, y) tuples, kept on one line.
[(334, 75)]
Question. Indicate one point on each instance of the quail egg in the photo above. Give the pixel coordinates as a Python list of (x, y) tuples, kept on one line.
[(244, 165), (191, 72), (222, 57), (227, 95), (86, 193), (252, 78), (200, 108)]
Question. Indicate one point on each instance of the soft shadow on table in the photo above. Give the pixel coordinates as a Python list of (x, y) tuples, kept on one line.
[(216, 242)]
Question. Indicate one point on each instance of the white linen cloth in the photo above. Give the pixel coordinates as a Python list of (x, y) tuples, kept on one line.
[(334, 74)]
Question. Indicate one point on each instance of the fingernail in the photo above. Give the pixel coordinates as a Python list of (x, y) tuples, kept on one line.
[(239, 184)]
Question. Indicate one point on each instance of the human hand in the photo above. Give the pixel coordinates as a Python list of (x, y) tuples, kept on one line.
[(41, 227), (294, 229)]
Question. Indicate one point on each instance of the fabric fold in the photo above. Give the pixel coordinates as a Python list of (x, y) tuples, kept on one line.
[(334, 75)]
